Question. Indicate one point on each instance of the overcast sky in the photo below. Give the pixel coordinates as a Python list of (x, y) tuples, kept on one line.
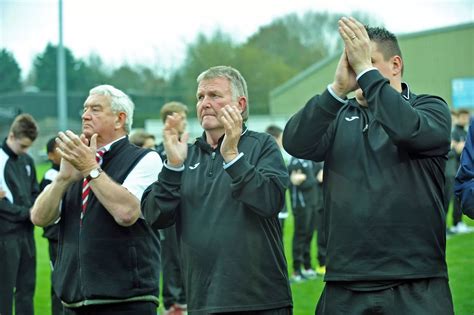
[(156, 32)]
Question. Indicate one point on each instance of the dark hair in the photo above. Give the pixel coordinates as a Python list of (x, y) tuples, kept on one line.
[(172, 107), (463, 111), (139, 137), (274, 130), (387, 42), (23, 126), (51, 145)]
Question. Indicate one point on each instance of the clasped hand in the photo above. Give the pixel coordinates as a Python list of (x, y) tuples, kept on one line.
[(78, 155), (355, 58)]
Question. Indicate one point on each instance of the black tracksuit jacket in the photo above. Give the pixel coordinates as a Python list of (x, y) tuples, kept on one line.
[(383, 179), (18, 180), (227, 225)]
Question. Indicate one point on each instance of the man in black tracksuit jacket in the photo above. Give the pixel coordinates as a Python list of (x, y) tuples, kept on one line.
[(224, 193), (108, 260), (384, 153), (17, 245), (51, 232), (304, 200)]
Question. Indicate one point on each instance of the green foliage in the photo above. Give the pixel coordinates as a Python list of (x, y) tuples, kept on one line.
[(45, 67), (9, 72), (268, 58), (263, 71)]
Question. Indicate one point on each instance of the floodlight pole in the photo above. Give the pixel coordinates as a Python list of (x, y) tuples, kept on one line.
[(61, 77)]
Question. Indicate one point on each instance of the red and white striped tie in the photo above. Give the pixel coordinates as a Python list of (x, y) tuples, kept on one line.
[(85, 184)]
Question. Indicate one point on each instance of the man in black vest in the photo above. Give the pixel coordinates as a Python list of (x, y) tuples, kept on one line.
[(108, 260)]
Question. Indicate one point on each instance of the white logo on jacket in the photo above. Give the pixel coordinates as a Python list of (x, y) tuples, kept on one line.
[(194, 166), (352, 118), (28, 170)]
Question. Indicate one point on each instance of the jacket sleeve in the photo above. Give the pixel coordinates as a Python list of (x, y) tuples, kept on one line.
[(421, 127), (261, 187), (161, 199), (308, 134), (464, 182), (12, 212)]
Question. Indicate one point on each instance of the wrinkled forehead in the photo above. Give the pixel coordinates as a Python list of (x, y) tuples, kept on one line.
[(97, 100)]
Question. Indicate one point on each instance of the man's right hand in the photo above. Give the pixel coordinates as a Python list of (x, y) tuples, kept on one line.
[(176, 147), (344, 78), (68, 173)]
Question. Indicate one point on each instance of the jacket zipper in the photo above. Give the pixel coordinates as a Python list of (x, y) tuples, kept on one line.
[(211, 166)]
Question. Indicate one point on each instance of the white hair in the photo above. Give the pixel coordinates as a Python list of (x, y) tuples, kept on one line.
[(237, 83), (119, 102)]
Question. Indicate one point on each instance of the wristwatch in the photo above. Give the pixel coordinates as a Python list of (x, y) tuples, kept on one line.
[(94, 174)]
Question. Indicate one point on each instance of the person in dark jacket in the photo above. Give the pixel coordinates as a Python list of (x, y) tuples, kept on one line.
[(174, 296), (458, 140), (277, 133), (464, 182), (51, 232), (224, 193), (108, 260), (304, 199), (19, 189), (384, 155)]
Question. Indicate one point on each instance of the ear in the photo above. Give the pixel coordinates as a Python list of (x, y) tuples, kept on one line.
[(120, 120), (397, 65), (242, 103)]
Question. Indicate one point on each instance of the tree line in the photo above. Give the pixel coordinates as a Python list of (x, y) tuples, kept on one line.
[(268, 58)]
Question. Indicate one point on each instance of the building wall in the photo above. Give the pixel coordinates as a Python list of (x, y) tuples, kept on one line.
[(432, 59)]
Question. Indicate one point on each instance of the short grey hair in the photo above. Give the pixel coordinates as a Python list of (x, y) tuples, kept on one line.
[(119, 102), (237, 83)]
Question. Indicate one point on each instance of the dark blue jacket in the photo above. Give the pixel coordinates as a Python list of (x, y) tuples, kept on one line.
[(464, 183)]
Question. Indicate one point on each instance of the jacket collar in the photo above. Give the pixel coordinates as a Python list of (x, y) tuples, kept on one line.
[(8, 151)]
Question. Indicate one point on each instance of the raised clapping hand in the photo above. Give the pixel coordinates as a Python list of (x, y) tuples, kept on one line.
[(78, 156), (355, 58), (231, 118), (176, 147), (357, 44)]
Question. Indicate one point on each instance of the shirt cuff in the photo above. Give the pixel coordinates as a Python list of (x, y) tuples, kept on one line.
[(331, 91), (172, 168), (364, 72), (227, 165)]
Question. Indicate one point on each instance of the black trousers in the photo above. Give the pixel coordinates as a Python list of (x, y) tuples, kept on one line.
[(304, 227), (134, 308), (56, 305), (321, 237), (17, 274), (416, 297), (173, 288)]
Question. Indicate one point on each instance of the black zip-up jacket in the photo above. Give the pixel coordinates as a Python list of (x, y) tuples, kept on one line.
[(383, 179), (227, 225), (102, 262), (307, 192), (18, 180), (51, 231)]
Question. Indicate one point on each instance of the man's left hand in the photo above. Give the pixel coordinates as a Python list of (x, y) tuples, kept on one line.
[(231, 118), (357, 44)]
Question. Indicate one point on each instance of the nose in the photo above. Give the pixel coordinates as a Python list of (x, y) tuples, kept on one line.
[(84, 114)]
